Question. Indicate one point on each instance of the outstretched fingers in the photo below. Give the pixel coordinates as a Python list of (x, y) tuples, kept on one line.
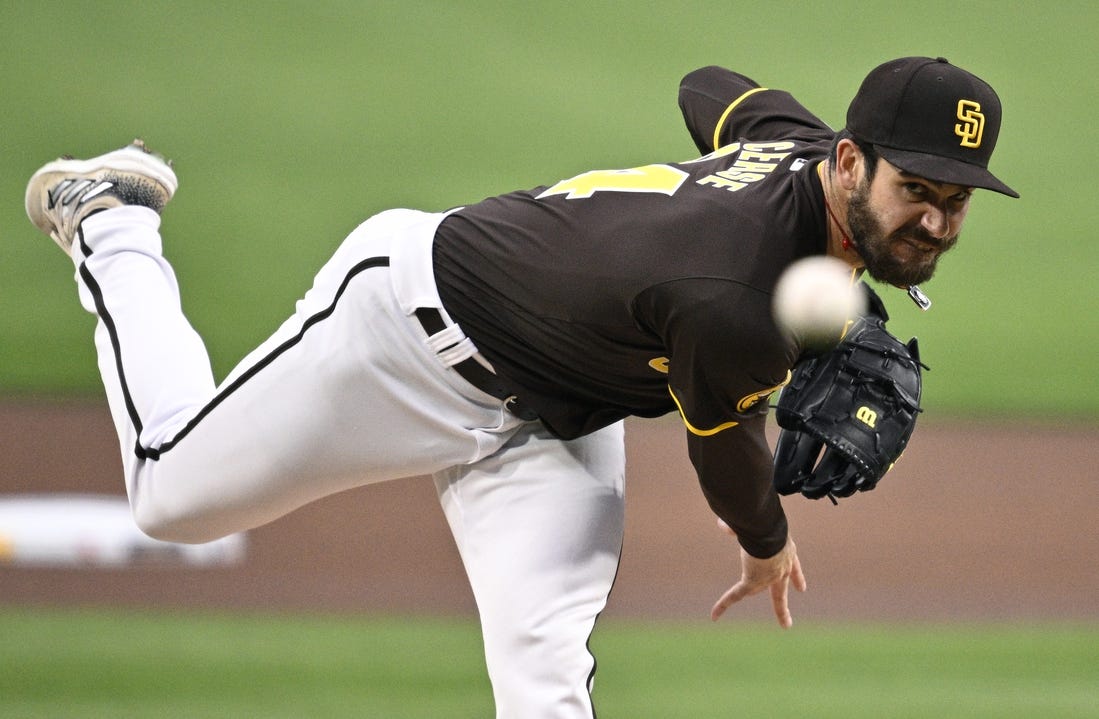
[(780, 601), (738, 591), (775, 573), (797, 576), (780, 593)]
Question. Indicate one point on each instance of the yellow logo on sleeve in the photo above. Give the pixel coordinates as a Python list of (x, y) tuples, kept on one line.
[(749, 401), (660, 364)]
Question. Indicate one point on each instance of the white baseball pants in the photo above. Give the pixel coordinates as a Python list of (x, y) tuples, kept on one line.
[(350, 390)]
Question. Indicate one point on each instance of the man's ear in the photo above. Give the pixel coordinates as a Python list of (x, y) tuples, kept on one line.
[(850, 164)]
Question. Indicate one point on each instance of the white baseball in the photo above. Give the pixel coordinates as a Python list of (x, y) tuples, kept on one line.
[(814, 299)]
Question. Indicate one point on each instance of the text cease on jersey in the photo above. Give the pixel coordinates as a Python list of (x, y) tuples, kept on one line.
[(753, 161)]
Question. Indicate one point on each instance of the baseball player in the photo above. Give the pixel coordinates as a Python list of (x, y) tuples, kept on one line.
[(498, 346)]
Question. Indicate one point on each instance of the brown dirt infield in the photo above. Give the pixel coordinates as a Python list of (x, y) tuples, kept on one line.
[(976, 522)]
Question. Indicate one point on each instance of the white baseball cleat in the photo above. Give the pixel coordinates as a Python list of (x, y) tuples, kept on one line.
[(65, 192)]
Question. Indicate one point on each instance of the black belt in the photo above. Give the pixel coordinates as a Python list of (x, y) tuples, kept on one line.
[(474, 372)]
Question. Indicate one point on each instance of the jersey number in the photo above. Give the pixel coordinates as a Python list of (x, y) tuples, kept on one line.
[(650, 178)]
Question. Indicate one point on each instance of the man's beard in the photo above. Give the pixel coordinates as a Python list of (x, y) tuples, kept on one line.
[(876, 248)]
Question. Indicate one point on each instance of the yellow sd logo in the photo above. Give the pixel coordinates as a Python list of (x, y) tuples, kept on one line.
[(867, 416), (972, 125)]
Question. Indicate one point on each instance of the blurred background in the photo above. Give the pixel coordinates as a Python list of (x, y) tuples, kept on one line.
[(291, 122)]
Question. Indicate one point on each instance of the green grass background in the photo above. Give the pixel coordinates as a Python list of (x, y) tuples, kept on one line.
[(99, 664), (290, 122)]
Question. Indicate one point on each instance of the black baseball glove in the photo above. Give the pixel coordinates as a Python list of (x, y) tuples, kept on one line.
[(858, 402)]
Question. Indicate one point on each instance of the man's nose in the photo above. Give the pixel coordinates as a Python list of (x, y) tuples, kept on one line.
[(936, 223)]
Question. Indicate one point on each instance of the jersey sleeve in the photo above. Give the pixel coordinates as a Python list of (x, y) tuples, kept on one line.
[(726, 356), (720, 107), (725, 360), (734, 469)]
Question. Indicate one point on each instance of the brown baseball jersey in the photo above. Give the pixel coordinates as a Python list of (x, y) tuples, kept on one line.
[(647, 290)]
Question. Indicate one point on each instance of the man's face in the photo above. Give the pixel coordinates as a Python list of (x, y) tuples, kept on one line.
[(901, 224)]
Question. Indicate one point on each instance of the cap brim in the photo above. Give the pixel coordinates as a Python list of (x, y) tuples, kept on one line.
[(943, 169)]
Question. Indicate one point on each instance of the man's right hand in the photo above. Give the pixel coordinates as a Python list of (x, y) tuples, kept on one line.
[(775, 573)]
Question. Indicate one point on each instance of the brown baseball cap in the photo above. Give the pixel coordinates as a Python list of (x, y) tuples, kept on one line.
[(931, 119)]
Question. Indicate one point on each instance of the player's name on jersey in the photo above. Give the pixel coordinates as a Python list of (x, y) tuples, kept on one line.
[(752, 162)]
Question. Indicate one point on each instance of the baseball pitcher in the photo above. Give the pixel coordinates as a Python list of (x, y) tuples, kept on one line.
[(498, 346)]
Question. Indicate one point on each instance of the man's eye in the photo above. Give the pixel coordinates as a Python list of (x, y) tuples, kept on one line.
[(915, 189)]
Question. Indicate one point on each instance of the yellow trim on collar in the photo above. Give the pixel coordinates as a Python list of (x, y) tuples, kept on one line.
[(695, 430), (729, 110)]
